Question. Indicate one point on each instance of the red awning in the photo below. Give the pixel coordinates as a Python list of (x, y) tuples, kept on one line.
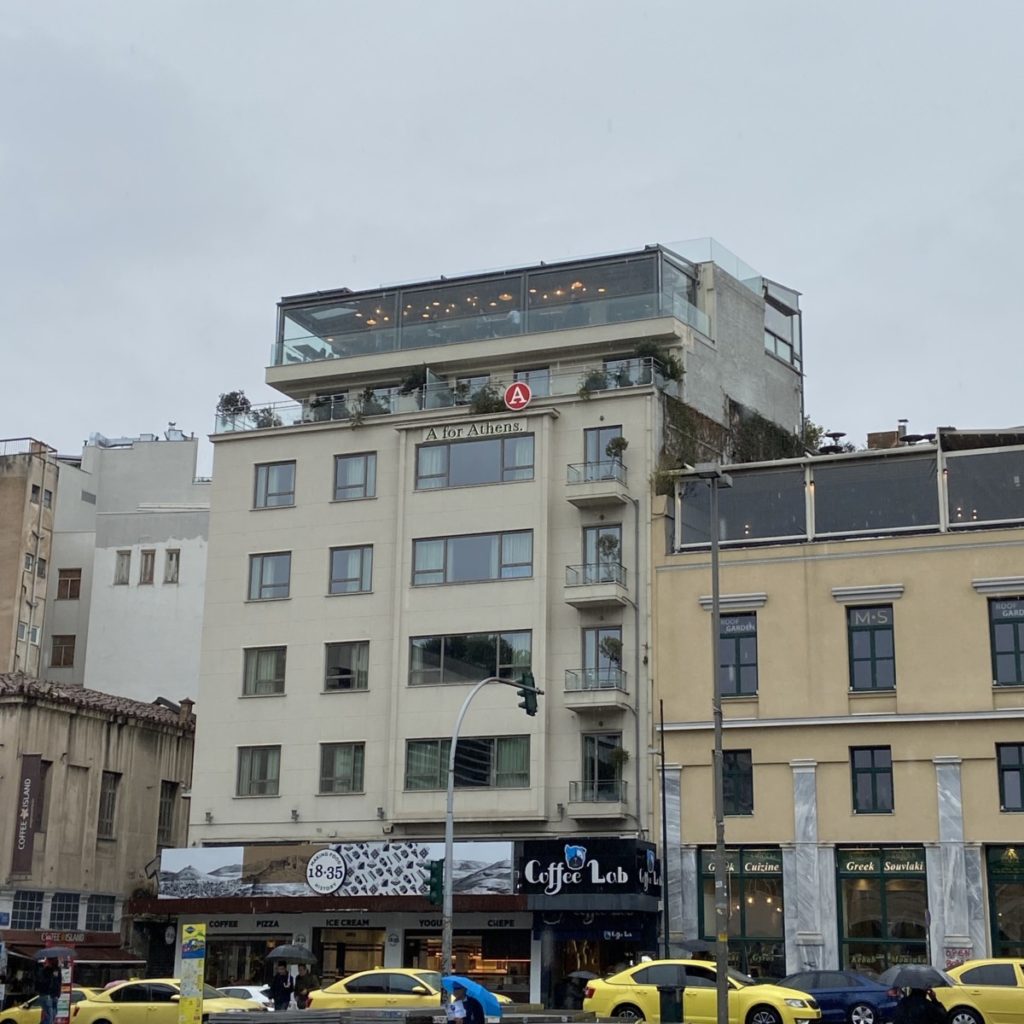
[(88, 954)]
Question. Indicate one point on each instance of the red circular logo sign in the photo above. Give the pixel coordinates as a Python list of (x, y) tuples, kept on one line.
[(518, 395)]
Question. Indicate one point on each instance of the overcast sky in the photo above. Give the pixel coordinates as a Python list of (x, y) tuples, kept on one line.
[(169, 170)]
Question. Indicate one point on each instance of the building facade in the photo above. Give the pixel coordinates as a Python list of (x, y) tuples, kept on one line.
[(459, 486), (92, 787), (124, 598), (28, 488), (871, 653)]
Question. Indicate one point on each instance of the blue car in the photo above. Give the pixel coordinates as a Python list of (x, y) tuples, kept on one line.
[(845, 997)]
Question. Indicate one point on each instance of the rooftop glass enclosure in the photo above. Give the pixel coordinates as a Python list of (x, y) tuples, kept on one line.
[(922, 489), (632, 286)]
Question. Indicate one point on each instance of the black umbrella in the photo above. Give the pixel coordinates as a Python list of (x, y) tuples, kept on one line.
[(56, 953), (914, 976), (293, 952)]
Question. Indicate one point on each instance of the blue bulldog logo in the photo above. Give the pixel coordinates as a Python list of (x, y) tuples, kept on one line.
[(575, 857)]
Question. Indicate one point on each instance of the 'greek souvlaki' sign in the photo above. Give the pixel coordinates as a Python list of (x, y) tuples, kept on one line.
[(470, 431)]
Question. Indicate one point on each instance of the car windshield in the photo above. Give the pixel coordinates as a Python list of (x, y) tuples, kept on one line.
[(740, 978), (431, 978), (209, 992)]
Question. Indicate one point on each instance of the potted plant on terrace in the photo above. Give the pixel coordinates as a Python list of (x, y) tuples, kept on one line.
[(487, 399), (232, 405), (615, 448), (593, 380)]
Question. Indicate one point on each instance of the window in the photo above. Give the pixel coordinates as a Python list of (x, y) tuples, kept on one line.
[(62, 652), (473, 557), (41, 568), (269, 576), (165, 814), (602, 554), (64, 910), (259, 770), (99, 914), (468, 657), (341, 767), (1003, 975), (538, 379), (461, 464), (347, 666), (1010, 760), (172, 565), (27, 910), (29, 632), (595, 442), (1006, 622), (35, 494), (499, 762), (69, 584), (351, 570), (264, 671), (122, 568), (30, 562), (872, 780), (738, 781), (22, 630), (47, 498), (108, 805), (737, 655), (146, 564), (872, 653), (275, 485), (602, 767), (602, 658), (355, 476)]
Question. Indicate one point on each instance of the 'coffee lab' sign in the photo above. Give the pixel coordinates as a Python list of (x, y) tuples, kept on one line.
[(596, 867)]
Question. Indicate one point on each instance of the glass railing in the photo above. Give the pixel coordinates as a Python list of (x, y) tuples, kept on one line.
[(615, 375), (578, 679), (528, 302), (597, 791), (589, 472), (595, 572)]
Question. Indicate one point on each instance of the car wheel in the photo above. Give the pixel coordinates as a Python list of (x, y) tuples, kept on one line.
[(627, 1011), (764, 1015), (862, 1013), (964, 1015)]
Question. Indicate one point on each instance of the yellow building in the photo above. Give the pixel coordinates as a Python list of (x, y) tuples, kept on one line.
[(871, 658)]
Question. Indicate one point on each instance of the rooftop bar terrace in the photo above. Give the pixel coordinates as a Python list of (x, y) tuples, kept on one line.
[(641, 285)]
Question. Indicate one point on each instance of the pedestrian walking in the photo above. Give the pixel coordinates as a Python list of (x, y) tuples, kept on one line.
[(48, 982), (305, 982), (281, 986)]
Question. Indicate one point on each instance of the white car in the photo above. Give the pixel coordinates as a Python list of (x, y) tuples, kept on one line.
[(258, 993)]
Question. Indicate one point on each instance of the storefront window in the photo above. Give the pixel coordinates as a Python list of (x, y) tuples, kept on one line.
[(883, 907), (756, 910), (240, 960), (498, 960), (1006, 899)]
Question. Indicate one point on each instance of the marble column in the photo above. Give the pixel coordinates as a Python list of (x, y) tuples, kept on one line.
[(808, 885), (948, 899), (672, 870)]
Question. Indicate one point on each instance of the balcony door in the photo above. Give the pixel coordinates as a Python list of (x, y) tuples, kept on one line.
[(602, 766)]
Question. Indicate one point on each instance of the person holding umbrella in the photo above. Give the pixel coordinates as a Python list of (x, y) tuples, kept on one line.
[(918, 1004), (304, 983), (281, 986), (48, 982)]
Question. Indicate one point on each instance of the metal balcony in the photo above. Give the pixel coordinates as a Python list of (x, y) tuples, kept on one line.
[(596, 689), (598, 799), (596, 585)]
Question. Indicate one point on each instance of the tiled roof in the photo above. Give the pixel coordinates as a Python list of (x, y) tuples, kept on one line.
[(19, 685)]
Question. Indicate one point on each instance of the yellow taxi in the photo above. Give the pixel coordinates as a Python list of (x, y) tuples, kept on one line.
[(394, 987), (633, 993), (30, 1013), (151, 1001), (986, 992)]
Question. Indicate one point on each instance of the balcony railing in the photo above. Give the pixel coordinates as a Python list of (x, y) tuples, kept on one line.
[(356, 406), (595, 572), (632, 287), (579, 679), (589, 472), (597, 791)]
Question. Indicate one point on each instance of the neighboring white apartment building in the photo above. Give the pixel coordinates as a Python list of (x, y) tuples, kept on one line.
[(394, 533), (125, 595)]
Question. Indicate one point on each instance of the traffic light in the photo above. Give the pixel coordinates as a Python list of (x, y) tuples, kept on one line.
[(435, 884), (529, 694)]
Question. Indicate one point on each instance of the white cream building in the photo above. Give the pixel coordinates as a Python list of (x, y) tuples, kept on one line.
[(393, 532)]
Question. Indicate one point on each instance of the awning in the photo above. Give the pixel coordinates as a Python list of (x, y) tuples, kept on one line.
[(87, 954)]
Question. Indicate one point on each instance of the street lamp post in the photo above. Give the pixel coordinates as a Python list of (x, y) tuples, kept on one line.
[(526, 690), (712, 473)]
